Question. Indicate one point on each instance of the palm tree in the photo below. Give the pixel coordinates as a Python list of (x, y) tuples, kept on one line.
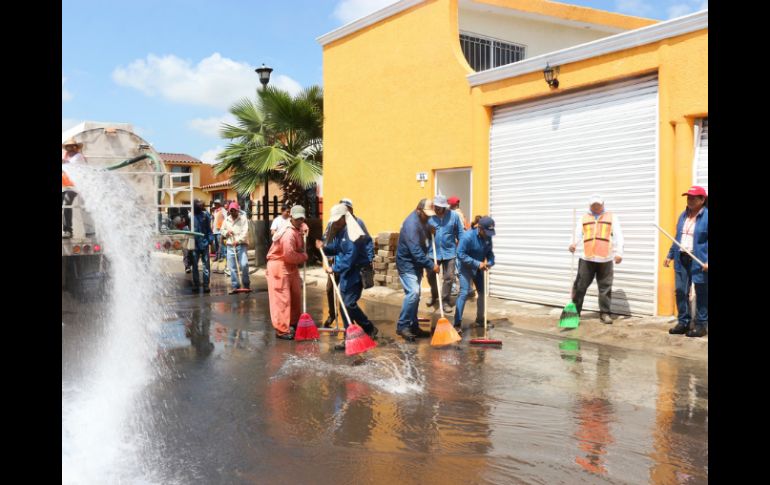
[(278, 137)]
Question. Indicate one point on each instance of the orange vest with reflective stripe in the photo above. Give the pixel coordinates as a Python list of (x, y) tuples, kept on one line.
[(597, 235), (65, 180)]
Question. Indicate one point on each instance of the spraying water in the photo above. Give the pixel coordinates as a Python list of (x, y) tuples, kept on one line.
[(106, 433), (393, 374)]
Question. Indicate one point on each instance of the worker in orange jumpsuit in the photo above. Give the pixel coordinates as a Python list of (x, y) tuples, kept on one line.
[(283, 280)]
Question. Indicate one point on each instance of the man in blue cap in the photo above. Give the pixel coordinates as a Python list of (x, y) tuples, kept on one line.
[(476, 256), (411, 260)]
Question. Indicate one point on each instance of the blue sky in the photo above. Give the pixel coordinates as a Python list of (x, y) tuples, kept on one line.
[(172, 68)]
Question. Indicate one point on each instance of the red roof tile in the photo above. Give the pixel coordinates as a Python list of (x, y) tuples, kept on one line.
[(179, 158)]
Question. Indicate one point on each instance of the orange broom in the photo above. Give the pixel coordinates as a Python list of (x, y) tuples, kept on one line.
[(445, 333), (356, 340), (306, 329), (485, 340)]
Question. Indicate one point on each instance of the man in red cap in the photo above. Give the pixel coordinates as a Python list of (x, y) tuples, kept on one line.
[(236, 230), (692, 232)]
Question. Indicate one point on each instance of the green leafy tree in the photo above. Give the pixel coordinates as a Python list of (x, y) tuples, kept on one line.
[(278, 136)]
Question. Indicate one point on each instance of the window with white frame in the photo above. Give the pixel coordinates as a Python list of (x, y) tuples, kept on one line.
[(484, 53)]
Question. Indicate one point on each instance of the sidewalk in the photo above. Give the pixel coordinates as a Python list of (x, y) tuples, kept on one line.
[(648, 334)]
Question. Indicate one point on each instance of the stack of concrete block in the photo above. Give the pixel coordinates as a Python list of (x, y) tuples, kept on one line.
[(385, 271)]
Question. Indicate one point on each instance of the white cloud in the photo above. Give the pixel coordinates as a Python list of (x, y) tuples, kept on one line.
[(210, 156), (639, 8), (65, 95), (215, 81), (687, 7), (679, 10), (210, 126), (349, 10)]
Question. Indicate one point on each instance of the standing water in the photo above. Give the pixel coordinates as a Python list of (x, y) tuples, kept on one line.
[(105, 428)]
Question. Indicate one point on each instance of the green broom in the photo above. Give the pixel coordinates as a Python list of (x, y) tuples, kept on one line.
[(569, 316)]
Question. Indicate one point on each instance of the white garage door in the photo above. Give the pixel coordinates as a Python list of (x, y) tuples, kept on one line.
[(546, 158), (701, 165)]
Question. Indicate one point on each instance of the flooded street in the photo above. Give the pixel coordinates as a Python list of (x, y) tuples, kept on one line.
[(231, 404)]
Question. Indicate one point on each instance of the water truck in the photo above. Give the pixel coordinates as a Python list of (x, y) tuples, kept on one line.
[(117, 147)]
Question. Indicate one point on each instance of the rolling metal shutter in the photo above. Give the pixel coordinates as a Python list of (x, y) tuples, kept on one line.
[(701, 165), (546, 158)]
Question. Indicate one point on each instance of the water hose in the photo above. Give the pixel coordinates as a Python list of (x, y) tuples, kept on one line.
[(158, 168)]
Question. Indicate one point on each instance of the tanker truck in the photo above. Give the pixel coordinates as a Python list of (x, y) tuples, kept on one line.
[(115, 146)]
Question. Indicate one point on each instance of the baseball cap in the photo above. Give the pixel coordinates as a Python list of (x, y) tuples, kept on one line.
[(426, 205), (298, 212), (347, 202), (488, 224), (454, 200), (233, 205), (696, 190), (440, 201), (595, 199)]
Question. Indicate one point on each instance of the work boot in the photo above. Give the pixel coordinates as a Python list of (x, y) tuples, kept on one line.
[(480, 323), (458, 329), (680, 329), (406, 334), (605, 318), (206, 289), (285, 336), (188, 270), (420, 333), (196, 289), (340, 346), (329, 322), (431, 301), (371, 331), (66, 234), (447, 308), (698, 331)]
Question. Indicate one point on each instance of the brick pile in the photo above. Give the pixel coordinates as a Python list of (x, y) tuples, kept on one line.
[(385, 272)]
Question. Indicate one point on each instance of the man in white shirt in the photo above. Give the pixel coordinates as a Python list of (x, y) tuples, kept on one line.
[(602, 238), (236, 231), (280, 221)]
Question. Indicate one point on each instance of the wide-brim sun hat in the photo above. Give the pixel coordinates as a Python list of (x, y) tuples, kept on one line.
[(72, 141)]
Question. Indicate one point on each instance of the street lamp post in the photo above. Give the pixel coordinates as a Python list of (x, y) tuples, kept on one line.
[(264, 78)]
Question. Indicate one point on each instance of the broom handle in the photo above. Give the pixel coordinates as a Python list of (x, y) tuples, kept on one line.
[(486, 299), (237, 265), (680, 246), (440, 275), (304, 277), (572, 263), (336, 288)]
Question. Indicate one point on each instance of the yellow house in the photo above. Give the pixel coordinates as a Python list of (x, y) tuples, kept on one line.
[(221, 188), (199, 171), (449, 96)]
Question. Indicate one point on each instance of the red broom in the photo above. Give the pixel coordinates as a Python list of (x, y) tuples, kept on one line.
[(356, 340), (485, 340), (306, 329), (445, 333)]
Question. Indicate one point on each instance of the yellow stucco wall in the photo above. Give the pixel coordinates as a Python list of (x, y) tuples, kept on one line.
[(397, 102)]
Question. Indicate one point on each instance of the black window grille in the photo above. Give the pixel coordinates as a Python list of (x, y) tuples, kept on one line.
[(483, 54)]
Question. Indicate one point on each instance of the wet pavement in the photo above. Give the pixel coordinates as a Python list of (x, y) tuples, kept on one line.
[(235, 405)]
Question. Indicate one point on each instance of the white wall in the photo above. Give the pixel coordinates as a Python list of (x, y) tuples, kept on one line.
[(539, 37)]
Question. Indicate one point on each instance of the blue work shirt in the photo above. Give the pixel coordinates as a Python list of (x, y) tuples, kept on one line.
[(203, 225), (449, 229), (700, 245), (349, 256), (473, 250), (412, 251)]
